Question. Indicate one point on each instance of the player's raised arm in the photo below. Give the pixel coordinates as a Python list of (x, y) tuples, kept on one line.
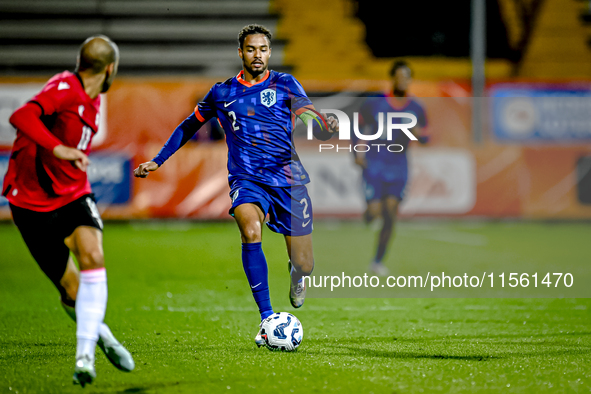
[(204, 111), (178, 138)]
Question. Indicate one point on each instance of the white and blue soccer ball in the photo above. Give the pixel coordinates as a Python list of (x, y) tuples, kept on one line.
[(282, 331)]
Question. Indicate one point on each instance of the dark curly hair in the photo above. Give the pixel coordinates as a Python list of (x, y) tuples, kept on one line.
[(399, 64), (253, 29)]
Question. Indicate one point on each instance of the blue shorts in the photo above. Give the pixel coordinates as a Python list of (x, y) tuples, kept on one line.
[(378, 188), (289, 208)]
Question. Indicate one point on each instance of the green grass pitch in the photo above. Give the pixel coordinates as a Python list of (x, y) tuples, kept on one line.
[(179, 300)]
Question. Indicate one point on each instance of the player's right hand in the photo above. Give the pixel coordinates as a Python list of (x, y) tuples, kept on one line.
[(144, 169), (72, 154), (361, 162)]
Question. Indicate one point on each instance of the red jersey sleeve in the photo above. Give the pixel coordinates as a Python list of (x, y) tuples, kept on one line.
[(27, 120), (54, 96)]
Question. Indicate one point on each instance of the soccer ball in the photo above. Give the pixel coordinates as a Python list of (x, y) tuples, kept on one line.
[(282, 331)]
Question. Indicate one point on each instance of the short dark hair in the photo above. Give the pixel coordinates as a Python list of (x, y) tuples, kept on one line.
[(399, 64), (253, 29)]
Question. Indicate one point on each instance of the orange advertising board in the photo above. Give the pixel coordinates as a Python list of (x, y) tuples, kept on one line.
[(509, 180)]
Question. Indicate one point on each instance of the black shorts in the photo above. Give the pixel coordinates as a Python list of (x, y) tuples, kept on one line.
[(44, 232)]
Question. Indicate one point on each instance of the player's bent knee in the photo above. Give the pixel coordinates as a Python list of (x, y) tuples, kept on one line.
[(375, 211), (391, 207), (92, 260), (251, 234), (69, 242)]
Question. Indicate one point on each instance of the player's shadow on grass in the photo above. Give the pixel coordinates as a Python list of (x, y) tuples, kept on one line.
[(360, 347), (366, 347), (152, 387), (364, 352), (496, 339), (393, 354)]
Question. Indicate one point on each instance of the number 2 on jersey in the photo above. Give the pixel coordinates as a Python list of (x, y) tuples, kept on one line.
[(232, 115)]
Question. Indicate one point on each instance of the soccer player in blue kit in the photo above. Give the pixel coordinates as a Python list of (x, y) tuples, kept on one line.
[(257, 110), (385, 173)]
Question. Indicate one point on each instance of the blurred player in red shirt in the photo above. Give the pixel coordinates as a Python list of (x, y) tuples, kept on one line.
[(51, 200)]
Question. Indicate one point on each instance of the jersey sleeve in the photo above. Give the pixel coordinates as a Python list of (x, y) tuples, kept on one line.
[(54, 96), (27, 120), (206, 109), (299, 99), (178, 138), (303, 108)]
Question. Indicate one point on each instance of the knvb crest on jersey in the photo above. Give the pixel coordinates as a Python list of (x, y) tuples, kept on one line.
[(268, 97)]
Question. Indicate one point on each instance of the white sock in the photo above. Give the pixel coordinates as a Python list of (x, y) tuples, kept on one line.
[(91, 304), (104, 331)]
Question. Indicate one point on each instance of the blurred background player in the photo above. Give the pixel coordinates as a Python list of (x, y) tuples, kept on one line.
[(265, 174), (51, 201), (385, 173)]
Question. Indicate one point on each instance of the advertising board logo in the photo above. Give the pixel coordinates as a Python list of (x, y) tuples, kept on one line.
[(519, 117), (387, 123)]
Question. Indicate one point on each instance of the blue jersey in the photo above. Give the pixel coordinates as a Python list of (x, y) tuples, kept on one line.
[(258, 120), (382, 164)]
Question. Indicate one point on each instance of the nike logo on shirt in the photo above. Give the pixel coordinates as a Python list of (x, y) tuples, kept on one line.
[(230, 103)]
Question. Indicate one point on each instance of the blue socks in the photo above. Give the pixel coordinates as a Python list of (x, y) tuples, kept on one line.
[(255, 267)]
